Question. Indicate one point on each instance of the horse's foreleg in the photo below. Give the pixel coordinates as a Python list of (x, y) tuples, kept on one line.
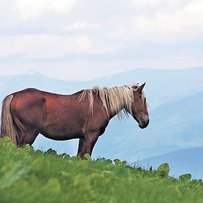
[(86, 144), (81, 147)]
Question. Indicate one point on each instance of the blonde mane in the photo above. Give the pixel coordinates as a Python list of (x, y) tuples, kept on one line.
[(114, 99)]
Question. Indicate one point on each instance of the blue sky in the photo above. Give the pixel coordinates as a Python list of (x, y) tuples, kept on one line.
[(86, 39)]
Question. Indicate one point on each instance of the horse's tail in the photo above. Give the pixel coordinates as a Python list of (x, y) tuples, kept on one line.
[(7, 125)]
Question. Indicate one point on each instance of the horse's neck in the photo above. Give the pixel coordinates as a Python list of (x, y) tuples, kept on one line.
[(120, 113)]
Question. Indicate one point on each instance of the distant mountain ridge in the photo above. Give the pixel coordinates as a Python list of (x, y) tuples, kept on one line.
[(181, 162), (162, 85)]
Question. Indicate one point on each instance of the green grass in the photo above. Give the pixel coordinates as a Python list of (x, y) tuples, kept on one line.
[(28, 176)]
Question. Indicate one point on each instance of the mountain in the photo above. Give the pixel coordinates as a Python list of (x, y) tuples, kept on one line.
[(162, 85), (181, 162), (12, 83)]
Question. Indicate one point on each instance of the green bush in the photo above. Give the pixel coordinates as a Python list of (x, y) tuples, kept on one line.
[(28, 176)]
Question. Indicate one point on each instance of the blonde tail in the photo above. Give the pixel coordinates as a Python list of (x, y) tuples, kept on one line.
[(7, 126)]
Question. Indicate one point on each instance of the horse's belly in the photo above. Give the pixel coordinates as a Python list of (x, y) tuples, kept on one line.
[(61, 132)]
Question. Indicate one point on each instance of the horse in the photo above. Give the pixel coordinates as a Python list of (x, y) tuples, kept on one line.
[(83, 115)]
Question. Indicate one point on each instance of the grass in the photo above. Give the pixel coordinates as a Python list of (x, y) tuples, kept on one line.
[(28, 176)]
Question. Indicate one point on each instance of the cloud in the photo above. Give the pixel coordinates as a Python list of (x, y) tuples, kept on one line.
[(164, 21), (81, 25), (105, 34), (36, 8), (47, 45), (158, 4)]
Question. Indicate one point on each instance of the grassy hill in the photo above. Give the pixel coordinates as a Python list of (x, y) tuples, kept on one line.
[(28, 176)]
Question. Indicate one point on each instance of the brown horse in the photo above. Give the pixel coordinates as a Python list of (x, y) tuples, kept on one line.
[(82, 115)]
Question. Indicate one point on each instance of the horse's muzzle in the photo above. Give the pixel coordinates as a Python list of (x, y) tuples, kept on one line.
[(143, 123)]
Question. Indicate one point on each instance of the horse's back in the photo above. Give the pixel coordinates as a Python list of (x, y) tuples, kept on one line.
[(27, 98), (36, 107)]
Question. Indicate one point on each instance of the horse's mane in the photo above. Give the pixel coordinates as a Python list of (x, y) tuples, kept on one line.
[(113, 99)]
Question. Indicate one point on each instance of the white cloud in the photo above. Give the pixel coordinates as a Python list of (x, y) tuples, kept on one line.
[(164, 21), (158, 3), (36, 8), (39, 46), (82, 25), (110, 35), (43, 45)]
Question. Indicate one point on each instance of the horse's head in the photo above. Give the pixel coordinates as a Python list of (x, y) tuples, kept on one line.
[(139, 106)]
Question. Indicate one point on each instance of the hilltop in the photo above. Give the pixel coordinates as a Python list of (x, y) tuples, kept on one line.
[(34, 176)]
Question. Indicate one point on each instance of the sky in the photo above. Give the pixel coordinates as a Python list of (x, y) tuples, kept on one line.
[(86, 39)]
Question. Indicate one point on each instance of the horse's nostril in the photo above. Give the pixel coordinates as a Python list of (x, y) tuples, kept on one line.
[(147, 122), (143, 123)]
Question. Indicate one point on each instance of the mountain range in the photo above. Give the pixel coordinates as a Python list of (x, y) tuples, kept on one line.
[(175, 98), (181, 162)]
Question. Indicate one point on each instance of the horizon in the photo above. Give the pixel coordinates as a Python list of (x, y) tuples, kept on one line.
[(97, 77)]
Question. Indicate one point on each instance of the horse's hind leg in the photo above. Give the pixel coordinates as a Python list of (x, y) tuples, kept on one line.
[(27, 138), (25, 133)]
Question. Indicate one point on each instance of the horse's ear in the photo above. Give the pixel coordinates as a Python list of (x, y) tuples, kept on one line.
[(141, 87)]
